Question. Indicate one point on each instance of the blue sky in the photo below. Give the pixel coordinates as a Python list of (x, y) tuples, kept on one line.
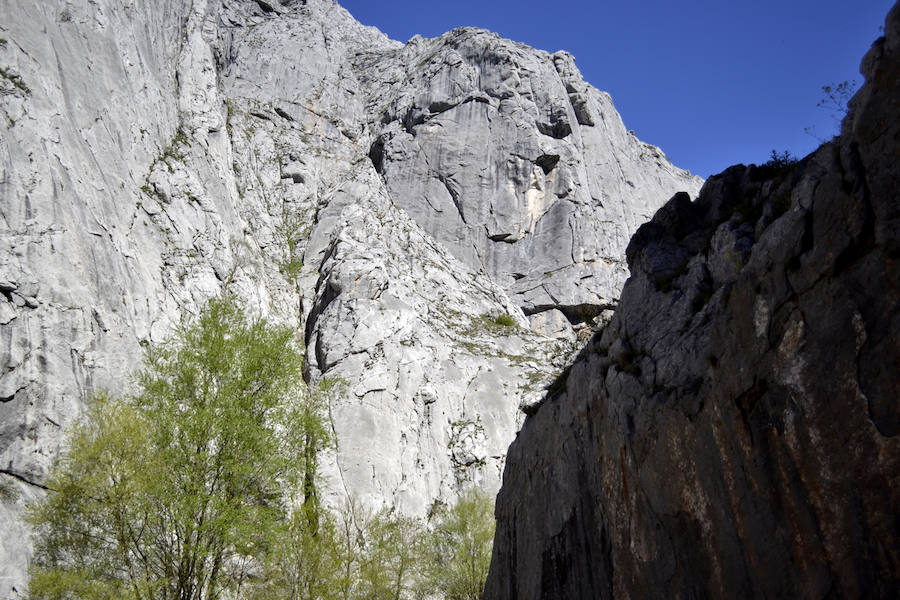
[(712, 82)]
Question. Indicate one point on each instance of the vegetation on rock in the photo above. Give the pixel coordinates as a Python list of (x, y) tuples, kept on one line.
[(202, 485), (175, 491), (781, 160)]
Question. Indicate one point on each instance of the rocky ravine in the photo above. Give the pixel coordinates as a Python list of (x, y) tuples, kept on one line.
[(389, 199), (734, 430)]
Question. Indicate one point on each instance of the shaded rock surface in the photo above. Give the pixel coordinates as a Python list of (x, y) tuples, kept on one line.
[(733, 431), (154, 154)]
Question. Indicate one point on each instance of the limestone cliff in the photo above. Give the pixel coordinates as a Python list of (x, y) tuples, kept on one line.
[(733, 432), (390, 200)]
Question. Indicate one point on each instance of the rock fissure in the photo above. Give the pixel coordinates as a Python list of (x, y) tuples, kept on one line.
[(23, 479)]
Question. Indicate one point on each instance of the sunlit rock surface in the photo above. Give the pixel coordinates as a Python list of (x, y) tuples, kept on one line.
[(390, 200)]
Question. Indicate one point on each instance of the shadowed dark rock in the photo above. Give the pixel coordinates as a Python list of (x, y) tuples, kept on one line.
[(733, 431)]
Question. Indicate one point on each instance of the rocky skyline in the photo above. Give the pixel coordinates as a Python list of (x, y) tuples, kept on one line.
[(444, 222), (733, 431)]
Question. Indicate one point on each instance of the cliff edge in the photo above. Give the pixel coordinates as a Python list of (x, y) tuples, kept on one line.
[(733, 431)]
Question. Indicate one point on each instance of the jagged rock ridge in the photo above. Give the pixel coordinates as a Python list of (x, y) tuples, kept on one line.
[(514, 163), (155, 154), (733, 431)]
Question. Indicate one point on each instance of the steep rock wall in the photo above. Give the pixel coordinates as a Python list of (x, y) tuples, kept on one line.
[(520, 168), (733, 431), (154, 154)]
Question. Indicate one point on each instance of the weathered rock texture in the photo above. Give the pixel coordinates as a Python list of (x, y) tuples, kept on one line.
[(515, 164), (391, 201), (733, 431)]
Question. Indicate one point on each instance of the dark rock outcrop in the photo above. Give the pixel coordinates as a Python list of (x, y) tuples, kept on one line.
[(733, 431)]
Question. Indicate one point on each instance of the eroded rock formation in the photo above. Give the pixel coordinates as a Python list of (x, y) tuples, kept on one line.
[(733, 431), (390, 200)]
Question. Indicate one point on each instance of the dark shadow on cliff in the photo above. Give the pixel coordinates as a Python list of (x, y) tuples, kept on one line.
[(733, 431)]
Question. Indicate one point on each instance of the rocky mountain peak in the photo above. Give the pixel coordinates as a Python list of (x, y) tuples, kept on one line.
[(440, 220)]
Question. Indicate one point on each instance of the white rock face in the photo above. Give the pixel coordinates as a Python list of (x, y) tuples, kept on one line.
[(435, 382), (390, 200), (524, 171)]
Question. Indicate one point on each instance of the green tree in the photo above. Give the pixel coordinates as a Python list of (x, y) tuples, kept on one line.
[(177, 491), (313, 434), (781, 160), (457, 553), (350, 532), (306, 558), (391, 555), (343, 556), (96, 506), (304, 561)]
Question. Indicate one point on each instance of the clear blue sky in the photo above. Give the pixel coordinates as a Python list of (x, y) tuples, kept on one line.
[(712, 82)]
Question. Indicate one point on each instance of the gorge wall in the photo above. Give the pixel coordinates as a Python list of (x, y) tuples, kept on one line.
[(733, 432), (389, 200)]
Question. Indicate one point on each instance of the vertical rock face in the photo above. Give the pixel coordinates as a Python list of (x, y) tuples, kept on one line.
[(391, 201), (506, 156), (733, 431)]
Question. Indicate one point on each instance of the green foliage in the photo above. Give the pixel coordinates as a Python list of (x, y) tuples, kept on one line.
[(312, 434), (73, 584), (15, 79), (172, 152), (343, 556), (83, 526), (229, 114), (290, 268), (457, 553), (504, 320), (203, 484), (383, 556), (305, 559), (8, 492), (304, 562), (391, 557), (492, 323), (176, 491), (293, 229), (180, 139)]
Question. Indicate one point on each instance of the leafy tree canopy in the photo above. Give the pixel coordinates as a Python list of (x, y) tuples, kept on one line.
[(202, 485), (172, 492), (458, 550)]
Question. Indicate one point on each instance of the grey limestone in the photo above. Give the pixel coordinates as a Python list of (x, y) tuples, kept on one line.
[(389, 200)]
